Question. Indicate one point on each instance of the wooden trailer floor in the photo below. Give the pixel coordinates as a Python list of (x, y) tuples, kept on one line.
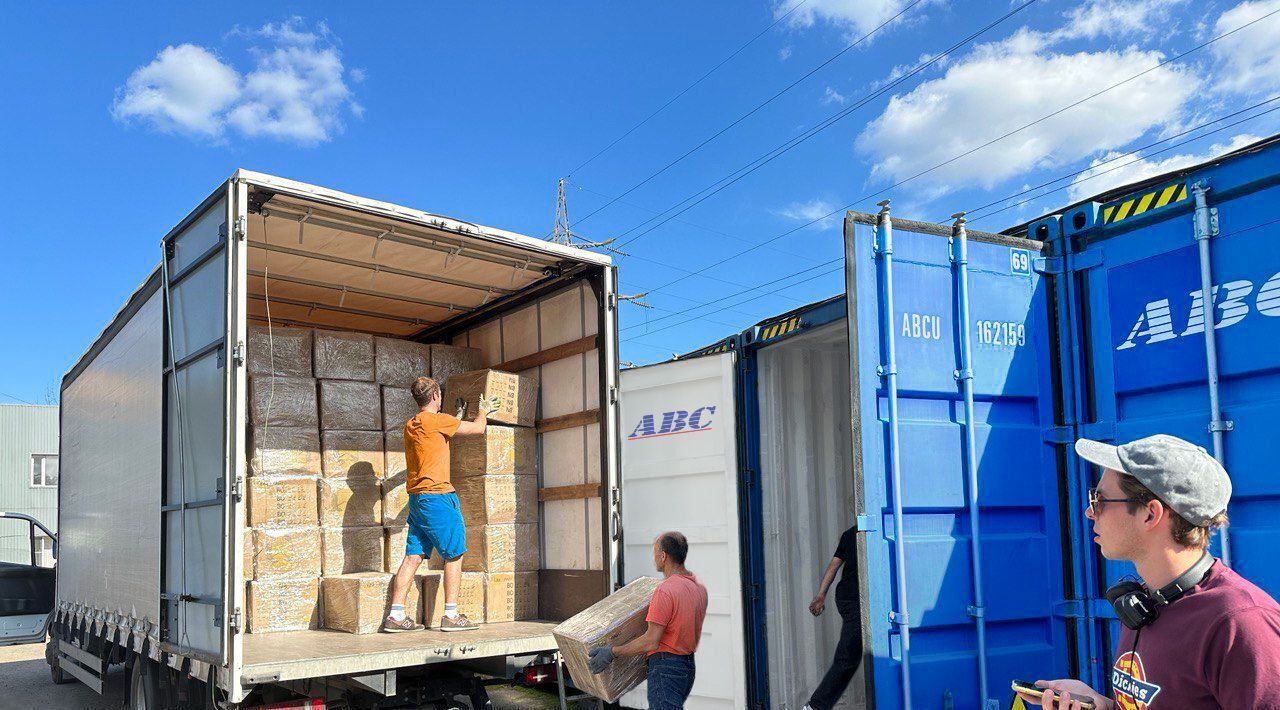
[(294, 655)]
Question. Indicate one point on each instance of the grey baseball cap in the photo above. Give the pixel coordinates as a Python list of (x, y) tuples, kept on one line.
[(1180, 473)]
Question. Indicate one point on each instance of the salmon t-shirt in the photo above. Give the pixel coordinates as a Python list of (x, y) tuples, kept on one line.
[(426, 451), (679, 604)]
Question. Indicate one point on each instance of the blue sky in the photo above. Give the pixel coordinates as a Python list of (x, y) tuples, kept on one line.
[(116, 122)]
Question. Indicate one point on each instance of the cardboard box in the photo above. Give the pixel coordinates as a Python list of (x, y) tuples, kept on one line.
[(350, 405), (358, 603), (517, 396), (398, 407), (282, 501), (283, 401), (350, 502), (348, 550), (343, 356), (284, 553), (499, 451), (512, 547), (395, 549), (510, 596), (612, 621), (283, 605), (395, 501), (447, 361), (279, 350), (353, 454), (285, 451), (399, 362), (470, 597), (492, 500)]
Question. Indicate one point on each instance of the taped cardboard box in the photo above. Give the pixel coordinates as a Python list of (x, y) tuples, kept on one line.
[(499, 451), (470, 597), (396, 536), (343, 356), (612, 621), (284, 553), (398, 407), (283, 402), (399, 362), (350, 405), (512, 547), (285, 451), (283, 605), (282, 501), (353, 454), (395, 501), (491, 500), (348, 550), (279, 350), (517, 396), (447, 361), (358, 603), (350, 502), (510, 596)]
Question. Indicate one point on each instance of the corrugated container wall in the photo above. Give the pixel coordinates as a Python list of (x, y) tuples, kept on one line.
[(26, 431)]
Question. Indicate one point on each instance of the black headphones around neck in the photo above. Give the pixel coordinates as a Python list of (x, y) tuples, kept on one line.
[(1136, 606)]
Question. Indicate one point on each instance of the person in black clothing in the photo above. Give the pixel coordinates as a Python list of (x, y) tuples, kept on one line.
[(849, 648)]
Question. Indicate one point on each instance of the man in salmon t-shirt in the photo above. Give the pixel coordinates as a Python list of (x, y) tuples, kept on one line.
[(676, 612)]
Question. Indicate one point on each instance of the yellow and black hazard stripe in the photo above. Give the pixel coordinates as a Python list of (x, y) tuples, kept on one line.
[(1134, 205), (769, 331)]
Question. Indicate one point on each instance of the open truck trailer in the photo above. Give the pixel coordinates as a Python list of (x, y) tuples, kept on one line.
[(154, 439)]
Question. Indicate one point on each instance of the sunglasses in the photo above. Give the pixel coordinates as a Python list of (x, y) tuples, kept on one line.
[(1096, 500)]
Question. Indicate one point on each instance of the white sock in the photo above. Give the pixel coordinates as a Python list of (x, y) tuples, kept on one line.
[(450, 611), (397, 612)]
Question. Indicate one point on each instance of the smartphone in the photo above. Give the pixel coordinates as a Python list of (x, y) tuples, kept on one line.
[(1029, 688)]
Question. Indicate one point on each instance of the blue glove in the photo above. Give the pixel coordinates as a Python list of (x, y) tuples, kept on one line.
[(599, 659)]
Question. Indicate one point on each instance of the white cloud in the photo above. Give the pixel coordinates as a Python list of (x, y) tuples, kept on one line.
[(1116, 168), (815, 209), (1115, 18), (185, 88), (856, 16), (1251, 57), (785, 53), (833, 97), (295, 89)]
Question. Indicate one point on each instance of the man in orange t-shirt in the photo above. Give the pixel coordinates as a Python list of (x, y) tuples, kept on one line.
[(676, 612), (435, 518)]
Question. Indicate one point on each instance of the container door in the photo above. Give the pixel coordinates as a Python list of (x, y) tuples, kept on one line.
[(1146, 348), (202, 347), (680, 472), (920, 608)]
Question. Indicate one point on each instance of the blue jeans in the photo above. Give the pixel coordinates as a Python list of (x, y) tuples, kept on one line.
[(670, 681)]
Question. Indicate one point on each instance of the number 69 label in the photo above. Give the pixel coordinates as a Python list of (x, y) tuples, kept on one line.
[(1020, 262)]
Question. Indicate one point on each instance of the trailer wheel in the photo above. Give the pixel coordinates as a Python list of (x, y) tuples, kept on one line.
[(55, 669), (143, 688)]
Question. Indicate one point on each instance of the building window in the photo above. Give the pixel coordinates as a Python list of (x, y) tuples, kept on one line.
[(44, 551), (44, 470)]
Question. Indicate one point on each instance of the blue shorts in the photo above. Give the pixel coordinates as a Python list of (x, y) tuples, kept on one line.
[(435, 522)]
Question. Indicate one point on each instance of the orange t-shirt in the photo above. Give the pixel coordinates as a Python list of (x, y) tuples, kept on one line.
[(680, 605), (426, 451)]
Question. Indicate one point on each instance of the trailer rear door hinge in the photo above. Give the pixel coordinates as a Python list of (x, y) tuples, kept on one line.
[(1075, 609), (237, 354), (613, 301), (1049, 265), (240, 228), (234, 621), (613, 394), (237, 489), (1058, 435)]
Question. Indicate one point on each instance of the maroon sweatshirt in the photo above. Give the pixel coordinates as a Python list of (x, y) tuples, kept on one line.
[(1217, 646)]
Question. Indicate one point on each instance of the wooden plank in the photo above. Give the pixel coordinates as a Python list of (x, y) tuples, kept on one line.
[(569, 421), (582, 490), (559, 352)]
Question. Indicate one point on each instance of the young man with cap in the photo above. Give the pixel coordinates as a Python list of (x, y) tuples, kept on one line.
[(1194, 633)]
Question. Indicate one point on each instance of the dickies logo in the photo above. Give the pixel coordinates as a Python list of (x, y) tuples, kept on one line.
[(1129, 680), (677, 421)]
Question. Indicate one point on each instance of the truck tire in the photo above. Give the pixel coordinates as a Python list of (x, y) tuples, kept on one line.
[(143, 689), (55, 669)]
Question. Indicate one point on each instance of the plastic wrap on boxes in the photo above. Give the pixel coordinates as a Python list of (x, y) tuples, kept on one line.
[(517, 396), (285, 451), (283, 401), (400, 362), (285, 553), (500, 450), (284, 605), (279, 350), (510, 596), (396, 537), (282, 501), (447, 361), (353, 454), (343, 356), (491, 500), (501, 548), (470, 596), (350, 502), (350, 405), (348, 550), (612, 621), (395, 494), (358, 603), (398, 407)]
